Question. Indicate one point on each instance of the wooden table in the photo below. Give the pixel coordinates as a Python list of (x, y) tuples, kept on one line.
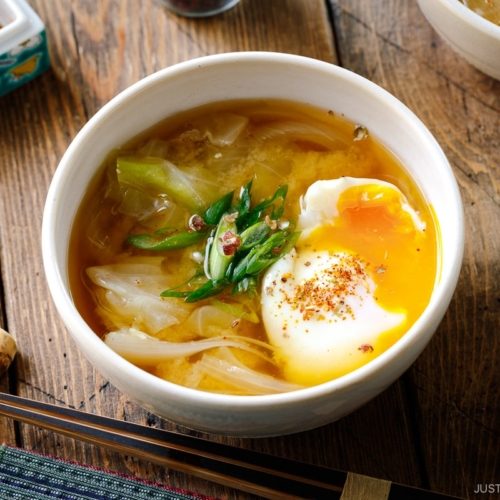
[(438, 426)]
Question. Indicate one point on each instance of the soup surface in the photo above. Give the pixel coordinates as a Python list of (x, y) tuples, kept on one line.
[(489, 9), (252, 247)]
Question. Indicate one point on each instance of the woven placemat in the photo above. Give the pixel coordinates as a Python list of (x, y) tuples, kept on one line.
[(26, 475)]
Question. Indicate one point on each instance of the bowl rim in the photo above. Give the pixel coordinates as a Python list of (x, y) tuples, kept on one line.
[(73, 320), (473, 19)]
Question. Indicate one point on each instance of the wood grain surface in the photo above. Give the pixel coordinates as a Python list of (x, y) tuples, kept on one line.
[(358, 486), (438, 426), (456, 383)]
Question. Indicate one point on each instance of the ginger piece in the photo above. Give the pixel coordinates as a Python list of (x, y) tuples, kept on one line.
[(8, 350)]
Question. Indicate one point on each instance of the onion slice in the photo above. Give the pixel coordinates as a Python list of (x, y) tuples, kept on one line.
[(296, 131), (138, 348), (247, 381)]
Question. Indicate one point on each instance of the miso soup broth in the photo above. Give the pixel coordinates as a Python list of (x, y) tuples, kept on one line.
[(489, 9), (252, 247)]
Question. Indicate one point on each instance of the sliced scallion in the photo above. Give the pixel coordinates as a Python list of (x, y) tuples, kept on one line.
[(166, 241), (224, 247), (254, 235), (257, 212), (214, 212), (208, 289)]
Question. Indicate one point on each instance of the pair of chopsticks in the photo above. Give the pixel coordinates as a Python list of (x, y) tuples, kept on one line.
[(267, 476)]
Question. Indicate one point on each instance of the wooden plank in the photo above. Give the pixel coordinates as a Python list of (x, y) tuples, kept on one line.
[(456, 382), (91, 63), (100, 49), (368, 488), (7, 427), (97, 50), (438, 426)]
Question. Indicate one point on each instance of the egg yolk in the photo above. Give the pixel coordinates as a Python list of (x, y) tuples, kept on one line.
[(401, 258)]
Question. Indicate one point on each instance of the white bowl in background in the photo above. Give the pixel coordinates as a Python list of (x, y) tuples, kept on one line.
[(474, 38), (253, 75)]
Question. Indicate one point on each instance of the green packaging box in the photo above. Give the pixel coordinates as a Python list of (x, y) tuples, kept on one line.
[(23, 45)]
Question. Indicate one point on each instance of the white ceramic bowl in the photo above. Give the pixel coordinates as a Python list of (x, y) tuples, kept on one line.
[(467, 33), (253, 75)]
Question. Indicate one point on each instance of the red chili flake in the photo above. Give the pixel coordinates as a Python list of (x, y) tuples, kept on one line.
[(365, 348), (230, 243), (327, 293), (196, 223), (227, 236)]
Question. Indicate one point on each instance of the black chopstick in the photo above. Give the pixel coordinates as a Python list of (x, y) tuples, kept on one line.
[(247, 470), (258, 473)]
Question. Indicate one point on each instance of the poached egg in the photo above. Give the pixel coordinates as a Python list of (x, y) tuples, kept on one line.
[(341, 296)]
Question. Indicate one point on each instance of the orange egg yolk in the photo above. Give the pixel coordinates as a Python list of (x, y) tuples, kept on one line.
[(401, 259)]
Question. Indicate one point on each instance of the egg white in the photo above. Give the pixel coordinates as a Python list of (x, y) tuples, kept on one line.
[(319, 204), (314, 339)]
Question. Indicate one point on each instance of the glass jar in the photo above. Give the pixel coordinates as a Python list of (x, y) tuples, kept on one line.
[(198, 8)]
